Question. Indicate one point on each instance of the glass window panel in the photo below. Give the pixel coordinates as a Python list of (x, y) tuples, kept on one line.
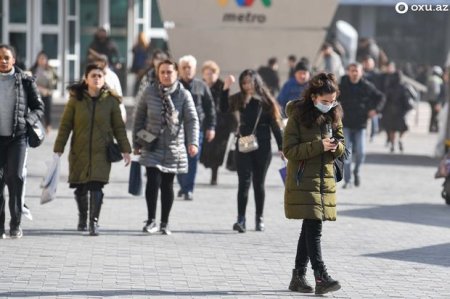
[(50, 45), (156, 16), (72, 71), (50, 12), (72, 7), (140, 27), (19, 41), (140, 8), (118, 11), (72, 37), (89, 13), (18, 11)]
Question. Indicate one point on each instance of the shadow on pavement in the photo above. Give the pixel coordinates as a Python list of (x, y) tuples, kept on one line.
[(137, 292), (115, 232), (432, 255), (426, 214), (401, 159)]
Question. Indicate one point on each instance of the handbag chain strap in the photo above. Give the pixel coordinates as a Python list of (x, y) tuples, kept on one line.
[(256, 122)]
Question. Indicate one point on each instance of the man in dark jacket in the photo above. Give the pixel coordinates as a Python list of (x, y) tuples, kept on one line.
[(21, 104), (360, 101), (269, 74), (293, 88), (206, 111)]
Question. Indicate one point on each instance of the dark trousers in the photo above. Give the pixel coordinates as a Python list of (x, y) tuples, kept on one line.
[(47, 110), (158, 180), (252, 167), (434, 122), (308, 248), (12, 159)]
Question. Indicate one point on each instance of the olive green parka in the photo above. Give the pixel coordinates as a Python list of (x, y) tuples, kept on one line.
[(93, 125), (310, 187)]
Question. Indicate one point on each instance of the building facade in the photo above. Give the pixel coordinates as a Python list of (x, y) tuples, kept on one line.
[(65, 28)]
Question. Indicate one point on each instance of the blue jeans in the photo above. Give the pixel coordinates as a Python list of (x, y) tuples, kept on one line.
[(187, 180), (375, 128), (355, 141)]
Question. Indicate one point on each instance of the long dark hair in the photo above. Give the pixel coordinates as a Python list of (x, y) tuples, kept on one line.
[(269, 102), (35, 65), (320, 84), (80, 87)]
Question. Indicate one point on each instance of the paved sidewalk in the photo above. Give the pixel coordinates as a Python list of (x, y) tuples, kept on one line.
[(391, 239)]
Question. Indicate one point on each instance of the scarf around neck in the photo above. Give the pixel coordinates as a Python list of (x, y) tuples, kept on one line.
[(169, 115)]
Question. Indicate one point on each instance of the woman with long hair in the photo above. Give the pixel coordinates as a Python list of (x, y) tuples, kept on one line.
[(313, 139), (258, 112), (46, 80), (93, 116)]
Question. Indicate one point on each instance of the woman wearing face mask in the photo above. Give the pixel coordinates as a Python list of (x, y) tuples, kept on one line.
[(93, 116), (252, 101), (167, 111), (312, 139)]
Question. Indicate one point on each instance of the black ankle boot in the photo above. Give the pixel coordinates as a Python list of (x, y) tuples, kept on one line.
[(240, 224), (82, 203), (259, 224), (324, 282), (96, 201), (299, 282)]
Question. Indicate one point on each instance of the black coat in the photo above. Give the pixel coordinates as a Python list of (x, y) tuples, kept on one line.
[(29, 106), (357, 100), (397, 105), (213, 152), (204, 103)]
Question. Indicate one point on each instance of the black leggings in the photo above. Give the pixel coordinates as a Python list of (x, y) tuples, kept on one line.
[(156, 180), (309, 247), (253, 167)]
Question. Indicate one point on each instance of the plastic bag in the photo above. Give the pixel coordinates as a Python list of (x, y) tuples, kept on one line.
[(50, 181)]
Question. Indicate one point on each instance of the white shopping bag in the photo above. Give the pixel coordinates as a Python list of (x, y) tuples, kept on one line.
[(50, 181)]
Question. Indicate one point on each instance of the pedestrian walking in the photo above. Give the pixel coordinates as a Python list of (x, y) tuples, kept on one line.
[(269, 75), (360, 101), (435, 84), (395, 110), (141, 59), (329, 61), (150, 73), (213, 152), (258, 115), (46, 81), (21, 106), (310, 188), (103, 44), (167, 112), (293, 88), (93, 116), (206, 112)]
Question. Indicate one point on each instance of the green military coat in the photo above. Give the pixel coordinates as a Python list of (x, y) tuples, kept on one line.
[(93, 125), (310, 188)]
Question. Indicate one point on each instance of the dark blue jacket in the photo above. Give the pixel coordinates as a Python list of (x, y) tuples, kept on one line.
[(291, 90)]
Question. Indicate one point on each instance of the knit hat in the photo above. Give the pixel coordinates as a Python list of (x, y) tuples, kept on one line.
[(437, 70), (301, 66)]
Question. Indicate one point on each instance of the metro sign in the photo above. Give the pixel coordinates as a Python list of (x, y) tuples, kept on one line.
[(246, 3)]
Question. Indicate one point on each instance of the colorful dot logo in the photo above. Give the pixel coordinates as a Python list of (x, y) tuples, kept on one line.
[(245, 3)]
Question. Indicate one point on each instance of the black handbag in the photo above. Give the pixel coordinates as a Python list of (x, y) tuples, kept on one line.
[(135, 180), (231, 161), (35, 133), (113, 152), (338, 166)]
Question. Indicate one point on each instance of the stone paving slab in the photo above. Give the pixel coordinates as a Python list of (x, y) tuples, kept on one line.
[(391, 239)]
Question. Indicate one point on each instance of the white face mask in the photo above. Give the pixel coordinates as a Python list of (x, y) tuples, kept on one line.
[(325, 108)]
